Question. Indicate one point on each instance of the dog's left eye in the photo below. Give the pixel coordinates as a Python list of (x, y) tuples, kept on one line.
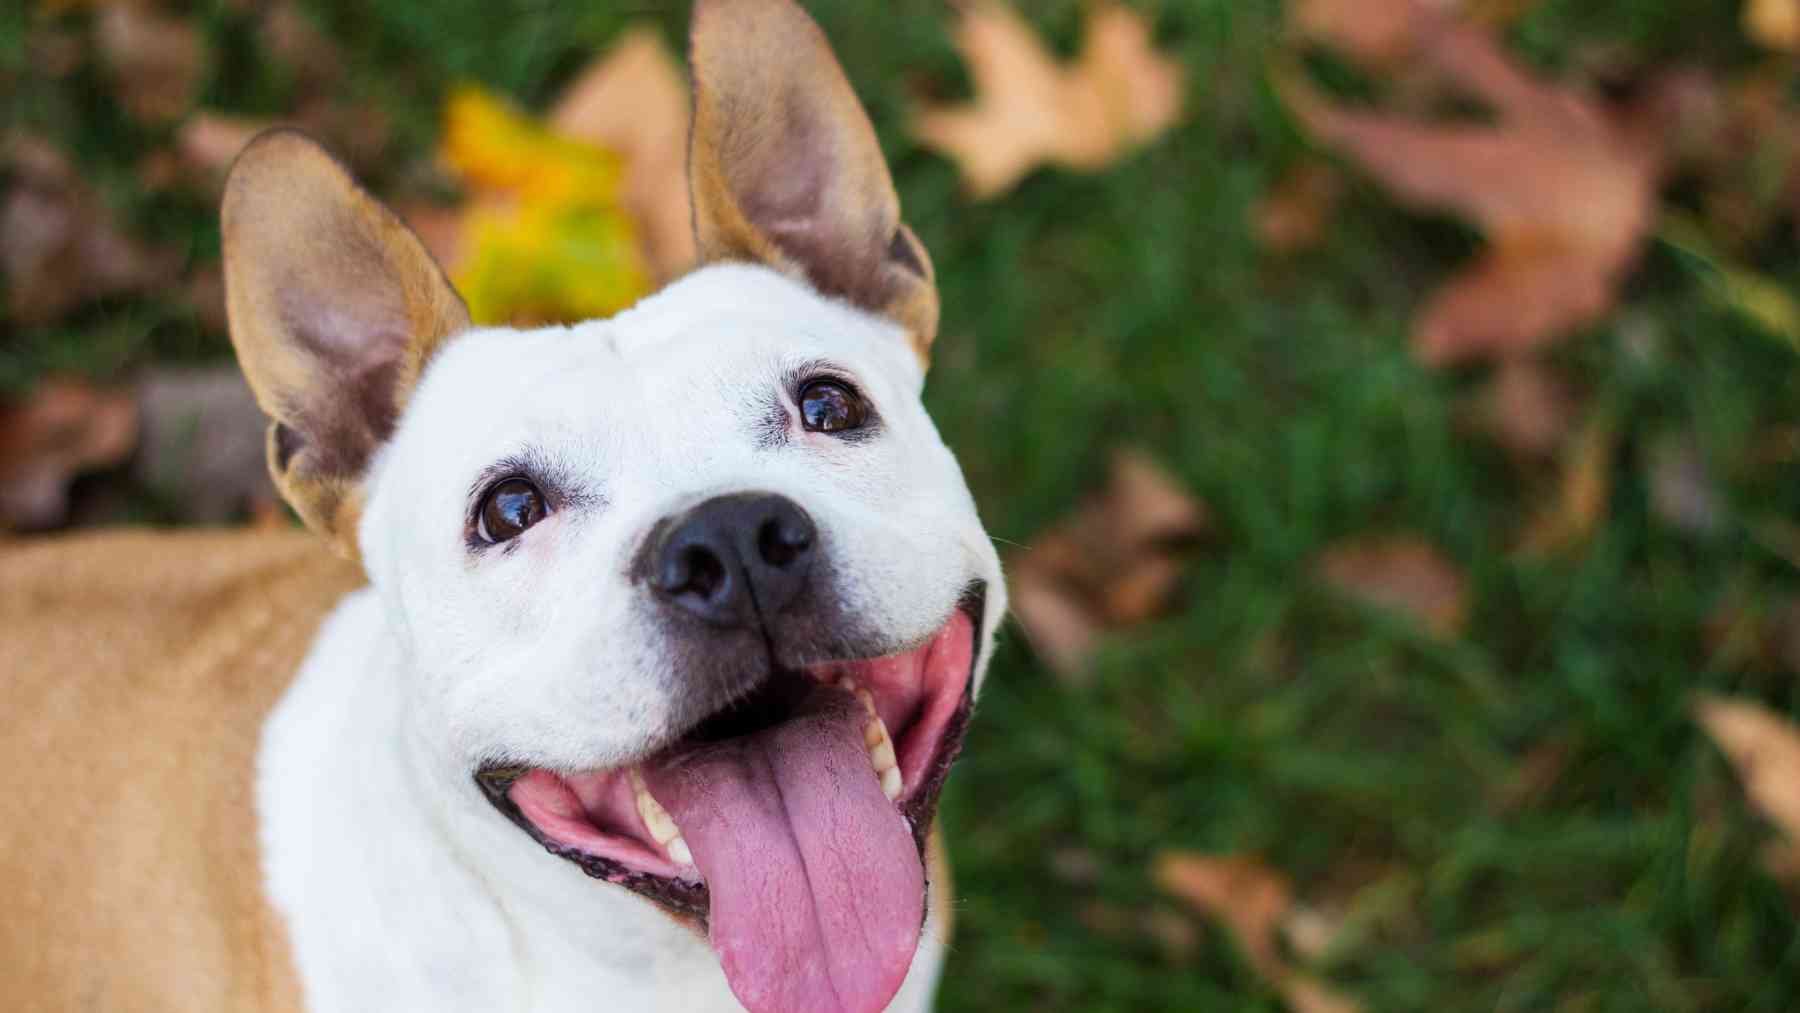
[(509, 508), (828, 406)]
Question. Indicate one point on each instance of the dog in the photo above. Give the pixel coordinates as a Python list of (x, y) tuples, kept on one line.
[(646, 649)]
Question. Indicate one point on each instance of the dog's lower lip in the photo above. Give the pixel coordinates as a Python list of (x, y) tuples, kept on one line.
[(654, 862)]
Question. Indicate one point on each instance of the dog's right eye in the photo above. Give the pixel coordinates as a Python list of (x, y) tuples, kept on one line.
[(509, 508)]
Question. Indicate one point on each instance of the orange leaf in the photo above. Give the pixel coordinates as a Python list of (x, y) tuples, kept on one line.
[(1111, 563), (1564, 192), (1254, 901), (1402, 573), (1029, 110)]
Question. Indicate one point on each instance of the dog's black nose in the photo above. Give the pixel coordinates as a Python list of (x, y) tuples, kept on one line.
[(733, 557)]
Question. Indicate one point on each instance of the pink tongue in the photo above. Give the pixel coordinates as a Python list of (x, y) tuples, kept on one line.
[(817, 889)]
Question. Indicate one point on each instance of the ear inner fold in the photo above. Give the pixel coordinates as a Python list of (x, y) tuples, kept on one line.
[(335, 308), (786, 169)]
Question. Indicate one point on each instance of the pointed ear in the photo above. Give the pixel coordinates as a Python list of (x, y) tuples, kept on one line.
[(335, 308), (785, 168)]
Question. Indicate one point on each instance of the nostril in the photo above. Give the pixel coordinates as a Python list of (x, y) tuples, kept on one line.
[(705, 573), (782, 541)]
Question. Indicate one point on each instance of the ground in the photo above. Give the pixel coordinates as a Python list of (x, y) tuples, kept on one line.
[(1376, 765)]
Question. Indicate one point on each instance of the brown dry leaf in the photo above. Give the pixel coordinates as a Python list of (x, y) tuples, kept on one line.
[(633, 101), (1403, 573), (154, 60), (1029, 110), (1583, 492), (1564, 193), (1255, 902), (65, 428), (209, 142), (1247, 896), (59, 246), (1113, 562), (291, 38), (1527, 409), (1774, 24), (1764, 749), (1295, 214)]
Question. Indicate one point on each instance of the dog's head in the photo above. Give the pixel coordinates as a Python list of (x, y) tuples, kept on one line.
[(695, 595)]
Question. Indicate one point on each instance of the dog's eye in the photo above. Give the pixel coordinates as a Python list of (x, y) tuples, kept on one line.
[(509, 508), (828, 406)]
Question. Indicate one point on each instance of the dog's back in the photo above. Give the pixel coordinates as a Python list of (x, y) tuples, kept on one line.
[(138, 670)]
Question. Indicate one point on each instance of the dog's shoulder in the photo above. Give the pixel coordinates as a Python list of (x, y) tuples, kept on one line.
[(139, 668)]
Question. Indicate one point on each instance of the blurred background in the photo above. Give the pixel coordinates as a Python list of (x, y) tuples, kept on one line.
[(1389, 411)]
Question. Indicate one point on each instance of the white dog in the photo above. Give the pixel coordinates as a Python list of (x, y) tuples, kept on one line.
[(673, 625)]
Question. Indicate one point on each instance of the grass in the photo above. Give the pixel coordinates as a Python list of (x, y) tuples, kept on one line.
[(1365, 759)]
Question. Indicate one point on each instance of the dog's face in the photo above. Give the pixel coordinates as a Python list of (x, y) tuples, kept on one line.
[(695, 596)]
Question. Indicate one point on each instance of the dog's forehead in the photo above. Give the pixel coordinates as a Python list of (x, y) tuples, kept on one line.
[(710, 351)]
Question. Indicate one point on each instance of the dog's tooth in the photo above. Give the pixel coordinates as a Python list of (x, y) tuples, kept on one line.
[(656, 819), (868, 701), (678, 851), (891, 784), (881, 754), (874, 732)]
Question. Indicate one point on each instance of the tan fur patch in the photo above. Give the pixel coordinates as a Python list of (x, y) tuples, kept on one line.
[(139, 669)]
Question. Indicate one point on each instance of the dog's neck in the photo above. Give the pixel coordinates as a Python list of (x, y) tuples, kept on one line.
[(398, 879)]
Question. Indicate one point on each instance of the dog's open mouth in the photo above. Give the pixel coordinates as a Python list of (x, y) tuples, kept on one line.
[(791, 824)]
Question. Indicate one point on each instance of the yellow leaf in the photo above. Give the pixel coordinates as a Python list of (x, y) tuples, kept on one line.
[(634, 100), (547, 238)]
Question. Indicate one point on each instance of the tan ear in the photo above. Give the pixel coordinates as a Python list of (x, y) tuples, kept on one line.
[(335, 308), (785, 168)]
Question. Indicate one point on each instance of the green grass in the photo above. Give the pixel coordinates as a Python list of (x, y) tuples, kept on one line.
[(1359, 756)]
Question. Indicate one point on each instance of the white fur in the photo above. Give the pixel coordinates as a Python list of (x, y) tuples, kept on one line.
[(403, 888)]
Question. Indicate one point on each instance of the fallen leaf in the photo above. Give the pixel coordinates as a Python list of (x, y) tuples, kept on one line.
[(64, 429), (1564, 193), (1296, 212), (1059, 627), (1527, 409), (1114, 562), (1247, 896), (545, 239), (59, 247), (286, 34), (1377, 33), (207, 143), (154, 60), (1029, 110), (1254, 902), (634, 101), (1582, 493), (1764, 749), (1402, 573), (202, 448), (1774, 24)]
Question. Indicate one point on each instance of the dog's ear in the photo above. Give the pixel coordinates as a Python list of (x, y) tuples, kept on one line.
[(785, 168), (335, 307)]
